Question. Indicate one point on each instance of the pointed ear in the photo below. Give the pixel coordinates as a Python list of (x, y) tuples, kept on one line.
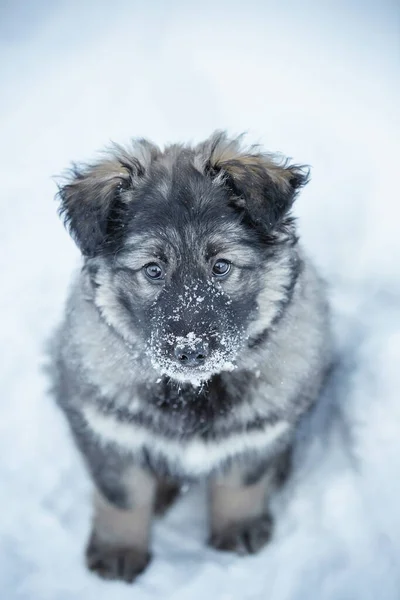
[(92, 198), (262, 185)]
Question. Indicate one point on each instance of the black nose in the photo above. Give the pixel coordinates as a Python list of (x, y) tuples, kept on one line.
[(191, 355)]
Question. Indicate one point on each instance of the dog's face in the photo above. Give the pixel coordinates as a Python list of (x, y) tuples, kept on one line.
[(188, 251), (186, 276)]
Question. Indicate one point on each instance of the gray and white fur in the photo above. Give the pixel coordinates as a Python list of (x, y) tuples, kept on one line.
[(195, 337)]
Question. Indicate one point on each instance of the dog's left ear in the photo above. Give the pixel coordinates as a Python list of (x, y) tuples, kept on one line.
[(261, 185)]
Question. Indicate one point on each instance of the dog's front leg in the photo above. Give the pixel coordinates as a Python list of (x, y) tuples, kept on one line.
[(118, 547), (239, 517)]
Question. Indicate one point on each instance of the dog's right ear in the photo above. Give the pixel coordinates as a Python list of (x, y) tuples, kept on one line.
[(92, 198), (263, 186)]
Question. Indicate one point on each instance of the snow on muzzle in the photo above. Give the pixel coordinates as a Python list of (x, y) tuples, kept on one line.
[(193, 335)]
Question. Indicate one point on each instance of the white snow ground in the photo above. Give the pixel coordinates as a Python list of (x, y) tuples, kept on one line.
[(316, 81)]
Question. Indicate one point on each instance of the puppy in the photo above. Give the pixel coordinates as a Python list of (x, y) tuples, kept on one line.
[(195, 337)]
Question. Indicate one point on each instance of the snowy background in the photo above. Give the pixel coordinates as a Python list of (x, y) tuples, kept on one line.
[(314, 80)]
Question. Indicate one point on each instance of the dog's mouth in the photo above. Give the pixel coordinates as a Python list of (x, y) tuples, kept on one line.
[(194, 375)]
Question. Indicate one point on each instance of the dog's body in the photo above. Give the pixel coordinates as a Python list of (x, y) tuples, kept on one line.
[(195, 338)]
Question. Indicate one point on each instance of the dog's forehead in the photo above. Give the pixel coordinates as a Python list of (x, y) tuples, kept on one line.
[(194, 240), (179, 182), (180, 206)]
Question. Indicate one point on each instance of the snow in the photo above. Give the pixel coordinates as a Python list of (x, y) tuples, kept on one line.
[(314, 80)]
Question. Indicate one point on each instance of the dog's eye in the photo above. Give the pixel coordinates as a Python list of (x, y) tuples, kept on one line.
[(221, 268), (153, 271)]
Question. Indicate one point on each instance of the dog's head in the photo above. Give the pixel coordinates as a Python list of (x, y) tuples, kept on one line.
[(189, 251)]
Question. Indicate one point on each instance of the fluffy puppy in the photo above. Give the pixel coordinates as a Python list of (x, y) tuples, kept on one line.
[(195, 337)]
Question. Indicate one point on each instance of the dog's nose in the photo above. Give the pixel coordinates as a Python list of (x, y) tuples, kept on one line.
[(191, 355)]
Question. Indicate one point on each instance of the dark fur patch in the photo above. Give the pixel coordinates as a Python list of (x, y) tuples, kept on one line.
[(106, 468), (186, 411), (296, 269)]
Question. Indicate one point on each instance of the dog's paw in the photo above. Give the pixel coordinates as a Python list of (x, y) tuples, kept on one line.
[(114, 562), (247, 537)]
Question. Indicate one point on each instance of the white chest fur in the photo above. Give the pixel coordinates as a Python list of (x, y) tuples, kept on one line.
[(195, 456)]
